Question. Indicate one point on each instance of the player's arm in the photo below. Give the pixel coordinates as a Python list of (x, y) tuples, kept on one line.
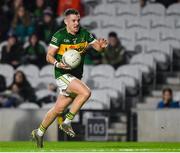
[(50, 58), (99, 44)]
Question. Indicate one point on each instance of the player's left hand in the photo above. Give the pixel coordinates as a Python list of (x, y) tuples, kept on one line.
[(103, 42)]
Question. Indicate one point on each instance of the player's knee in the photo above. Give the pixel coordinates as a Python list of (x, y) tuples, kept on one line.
[(87, 94), (58, 110)]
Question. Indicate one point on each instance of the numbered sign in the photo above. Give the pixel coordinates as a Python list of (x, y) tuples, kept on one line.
[(97, 128)]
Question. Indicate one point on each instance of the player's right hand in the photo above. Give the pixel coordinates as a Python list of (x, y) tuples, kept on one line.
[(63, 66)]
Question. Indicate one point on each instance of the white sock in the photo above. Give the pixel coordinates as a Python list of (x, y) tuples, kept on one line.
[(67, 121), (40, 133)]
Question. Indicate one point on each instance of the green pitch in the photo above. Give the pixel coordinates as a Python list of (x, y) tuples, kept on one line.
[(90, 147)]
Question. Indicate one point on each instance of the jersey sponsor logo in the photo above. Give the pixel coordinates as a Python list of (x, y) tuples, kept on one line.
[(66, 40), (54, 39)]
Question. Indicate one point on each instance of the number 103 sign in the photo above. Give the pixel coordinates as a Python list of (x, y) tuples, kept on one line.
[(97, 128)]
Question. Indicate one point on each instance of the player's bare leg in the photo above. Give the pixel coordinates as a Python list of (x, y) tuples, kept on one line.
[(61, 103), (83, 93)]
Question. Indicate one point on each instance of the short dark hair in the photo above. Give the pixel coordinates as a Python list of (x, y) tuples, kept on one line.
[(167, 90), (71, 11), (112, 34)]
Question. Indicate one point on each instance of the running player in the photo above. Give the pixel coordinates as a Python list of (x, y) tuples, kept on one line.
[(68, 80)]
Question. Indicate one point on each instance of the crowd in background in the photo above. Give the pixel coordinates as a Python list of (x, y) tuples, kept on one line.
[(28, 25)]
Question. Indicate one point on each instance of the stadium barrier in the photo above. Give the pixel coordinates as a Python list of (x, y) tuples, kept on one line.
[(17, 124), (157, 125)]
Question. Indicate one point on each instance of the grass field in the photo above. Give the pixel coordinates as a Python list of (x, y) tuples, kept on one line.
[(90, 147)]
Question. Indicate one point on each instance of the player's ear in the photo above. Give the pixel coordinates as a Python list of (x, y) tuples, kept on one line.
[(65, 21)]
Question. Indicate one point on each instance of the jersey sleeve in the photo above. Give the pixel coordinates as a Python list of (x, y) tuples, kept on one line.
[(90, 37), (55, 40)]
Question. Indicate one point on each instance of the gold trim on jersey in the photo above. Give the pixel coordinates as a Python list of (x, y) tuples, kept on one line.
[(80, 47)]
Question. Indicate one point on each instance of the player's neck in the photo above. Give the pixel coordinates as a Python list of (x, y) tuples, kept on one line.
[(69, 31)]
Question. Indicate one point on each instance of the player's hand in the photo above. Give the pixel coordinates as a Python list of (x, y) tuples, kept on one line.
[(63, 66), (103, 42)]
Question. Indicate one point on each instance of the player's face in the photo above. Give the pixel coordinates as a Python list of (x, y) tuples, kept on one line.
[(72, 22)]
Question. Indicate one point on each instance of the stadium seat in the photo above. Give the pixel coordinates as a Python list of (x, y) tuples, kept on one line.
[(145, 59), (143, 35), (112, 93), (135, 1), (93, 105), (30, 70), (100, 33), (147, 73), (130, 71), (8, 72), (112, 22), (177, 24), (44, 93), (103, 70), (173, 10), (43, 82), (47, 106), (33, 81), (104, 83), (103, 32), (28, 105), (136, 22), (143, 68), (91, 21), (46, 71), (161, 58), (2, 44), (177, 96), (101, 96), (128, 10), (162, 22), (131, 85), (168, 35), (104, 9), (160, 46), (155, 9), (126, 35), (86, 73), (119, 1)]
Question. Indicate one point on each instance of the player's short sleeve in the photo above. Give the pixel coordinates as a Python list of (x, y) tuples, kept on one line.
[(55, 40), (90, 38)]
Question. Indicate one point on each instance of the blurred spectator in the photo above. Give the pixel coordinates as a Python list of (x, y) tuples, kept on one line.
[(2, 83), (16, 4), (10, 7), (38, 10), (12, 52), (114, 53), (19, 91), (48, 26), (52, 87), (21, 24), (35, 53), (167, 100), (50, 95), (4, 25), (66, 4)]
